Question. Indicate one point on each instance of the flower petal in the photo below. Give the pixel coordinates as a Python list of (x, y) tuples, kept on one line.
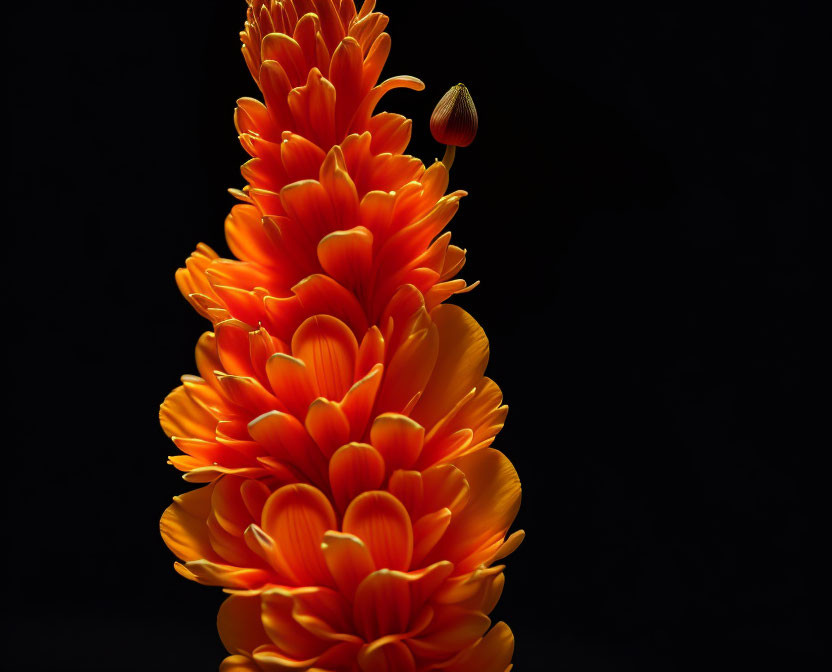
[(391, 656), (491, 654), (477, 532), (348, 560), (284, 630), (238, 622), (452, 629), (183, 525), (287, 440), (297, 516), (399, 440), (381, 522), (353, 469), (292, 382), (328, 425), (328, 348), (462, 357)]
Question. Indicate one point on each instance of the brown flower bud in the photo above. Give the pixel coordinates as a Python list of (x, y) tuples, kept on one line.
[(454, 119)]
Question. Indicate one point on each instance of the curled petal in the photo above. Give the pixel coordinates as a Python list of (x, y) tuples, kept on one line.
[(183, 525)]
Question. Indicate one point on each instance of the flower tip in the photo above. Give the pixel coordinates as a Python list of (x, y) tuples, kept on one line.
[(454, 119)]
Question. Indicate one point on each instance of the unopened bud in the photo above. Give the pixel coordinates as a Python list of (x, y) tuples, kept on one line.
[(454, 119)]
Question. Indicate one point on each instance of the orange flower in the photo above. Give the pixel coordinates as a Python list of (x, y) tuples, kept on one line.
[(409, 568), (341, 423), (336, 246), (332, 205), (263, 407)]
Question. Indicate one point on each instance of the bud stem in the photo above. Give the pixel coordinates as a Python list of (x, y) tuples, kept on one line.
[(450, 153)]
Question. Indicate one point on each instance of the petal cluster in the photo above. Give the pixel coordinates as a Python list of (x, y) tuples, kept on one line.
[(340, 426)]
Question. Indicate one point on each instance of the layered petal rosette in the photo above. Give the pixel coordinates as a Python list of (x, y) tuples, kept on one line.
[(341, 422), (402, 579), (261, 407)]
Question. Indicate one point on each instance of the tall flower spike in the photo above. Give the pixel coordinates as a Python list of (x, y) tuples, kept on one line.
[(341, 424)]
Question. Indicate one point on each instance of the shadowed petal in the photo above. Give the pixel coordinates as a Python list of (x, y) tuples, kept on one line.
[(353, 469)]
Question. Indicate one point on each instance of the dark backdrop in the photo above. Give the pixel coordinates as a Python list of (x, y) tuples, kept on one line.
[(642, 191)]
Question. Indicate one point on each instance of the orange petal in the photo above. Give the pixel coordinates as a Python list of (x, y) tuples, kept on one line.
[(316, 294), (289, 636), (382, 605), (375, 59), (246, 237), (370, 353), (407, 487), (391, 133), (348, 560), (328, 425), (313, 108), (341, 189), (324, 612), (409, 370), (427, 531), (238, 622), (381, 522), (391, 656), (463, 355), (446, 448), (296, 517), (358, 402), (183, 525), (261, 347), (328, 348), (287, 439), (307, 203), (452, 630), (283, 49), (477, 532), (345, 73), (292, 382), (388, 602), (275, 85), (238, 664), (301, 158), (491, 654), (399, 440), (228, 576), (247, 393), (510, 545), (183, 416), (353, 469), (445, 486), (228, 507), (376, 210), (347, 256)]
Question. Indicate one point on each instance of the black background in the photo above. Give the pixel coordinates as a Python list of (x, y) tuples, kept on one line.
[(643, 187)]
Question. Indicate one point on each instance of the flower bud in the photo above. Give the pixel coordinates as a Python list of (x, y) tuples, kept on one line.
[(454, 119)]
